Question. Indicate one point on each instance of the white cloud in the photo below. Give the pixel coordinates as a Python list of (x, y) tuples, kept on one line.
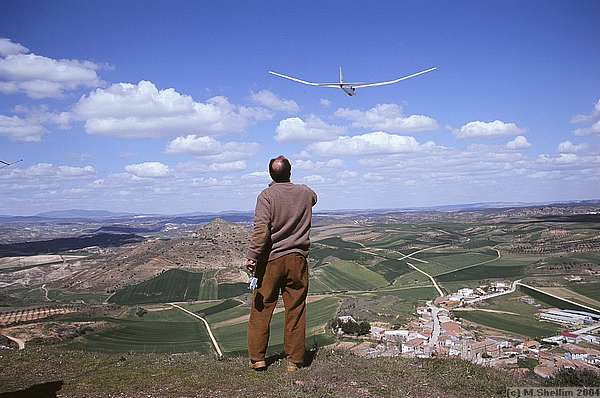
[(569, 147), (32, 125), (325, 103), (42, 77), (19, 129), (373, 177), (256, 175), (311, 129), (211, 182), (142, 110), (270, 100), (9, 47), (347, 174), (50, 170), (70, 171), (520, 142), (228, 166), (496, 128), (315, 165), (313, 179), (204, 146), (588, 118), (370, 144), (148, 169), (387, 117), (562, 158), (593, 129)]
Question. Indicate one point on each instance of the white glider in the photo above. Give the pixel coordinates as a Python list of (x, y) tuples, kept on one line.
[(350, 88)]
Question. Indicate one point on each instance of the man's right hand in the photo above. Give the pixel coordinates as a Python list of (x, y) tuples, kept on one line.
[(250, 265)]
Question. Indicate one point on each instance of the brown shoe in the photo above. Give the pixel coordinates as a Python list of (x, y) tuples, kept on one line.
[(258, 365), (292, 367)]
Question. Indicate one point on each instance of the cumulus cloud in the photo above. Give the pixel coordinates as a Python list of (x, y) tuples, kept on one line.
[(148, 169), (208, 147), (32, 125), (569, 147), (9, 47), (589, 117), (19, 129), (270, 100), (142, 110), (317, 165), (313, 179), (211, 182), (347, 174), (50, 170), (592, 118), (42, 77), (370, 144), (497, 128), (520, 142), (256, 175), (562, 158), (373, 177), (311, 129), (387, 117), (325, 102), (228, 166)]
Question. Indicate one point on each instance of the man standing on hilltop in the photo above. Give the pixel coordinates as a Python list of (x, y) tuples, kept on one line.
[(277, 254)]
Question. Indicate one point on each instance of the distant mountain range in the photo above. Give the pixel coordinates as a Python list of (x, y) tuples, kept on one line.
[(233, 214)]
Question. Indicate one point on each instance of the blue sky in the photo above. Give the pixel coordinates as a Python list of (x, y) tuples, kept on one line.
[(168, 107)]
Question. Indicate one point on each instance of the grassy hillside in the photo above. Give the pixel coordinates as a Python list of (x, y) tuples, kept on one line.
[(331, 374), (177, 285), (345, 275)]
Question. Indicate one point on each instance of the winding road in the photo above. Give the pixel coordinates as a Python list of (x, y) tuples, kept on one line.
[(20, 343), (437, 287), (210, 333)]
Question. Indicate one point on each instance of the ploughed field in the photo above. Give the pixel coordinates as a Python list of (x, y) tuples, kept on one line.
[(177, 285), (167, 329), (365, 265)]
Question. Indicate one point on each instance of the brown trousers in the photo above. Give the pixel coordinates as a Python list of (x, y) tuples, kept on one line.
[(288, 274)]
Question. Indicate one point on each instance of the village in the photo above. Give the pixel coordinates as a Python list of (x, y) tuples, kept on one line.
[(439, 332)]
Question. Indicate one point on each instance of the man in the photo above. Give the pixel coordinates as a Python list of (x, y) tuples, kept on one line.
[(277, 255)]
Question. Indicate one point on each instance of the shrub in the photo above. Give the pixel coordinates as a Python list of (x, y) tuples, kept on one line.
[(575, 377)]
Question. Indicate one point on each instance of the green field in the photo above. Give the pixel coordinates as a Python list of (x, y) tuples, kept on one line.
[(176, 285), (64, 296), (233, 339), (209, 286), (345, 275), (319, 253), (590, 289), (339, 242), (391, 269), (483, 272), (169, 330), (397, 306), (516, 324), (523, 323), (445, 264)]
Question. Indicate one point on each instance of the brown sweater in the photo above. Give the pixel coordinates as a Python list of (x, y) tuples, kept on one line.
[(282, 221)]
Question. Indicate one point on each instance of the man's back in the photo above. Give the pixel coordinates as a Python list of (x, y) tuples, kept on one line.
[(285, 210), (277, 257)]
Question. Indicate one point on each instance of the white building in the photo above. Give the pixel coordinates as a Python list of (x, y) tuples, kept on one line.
[(396, 335), (377, 332)]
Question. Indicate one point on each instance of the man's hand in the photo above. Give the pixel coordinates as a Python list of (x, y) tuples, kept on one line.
[(250, 265)]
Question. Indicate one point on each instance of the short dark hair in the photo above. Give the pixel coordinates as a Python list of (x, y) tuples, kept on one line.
[(280, 169)]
